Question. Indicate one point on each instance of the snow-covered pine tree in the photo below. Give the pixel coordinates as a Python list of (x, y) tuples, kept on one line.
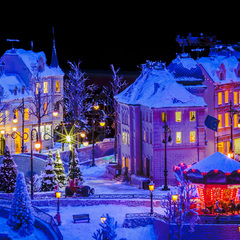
[(49, 176), (21, 217), (59, 170), (74, 169), (8, 172), (107, 231)]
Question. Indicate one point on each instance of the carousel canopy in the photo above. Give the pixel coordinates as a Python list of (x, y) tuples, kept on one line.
[(216, 161)]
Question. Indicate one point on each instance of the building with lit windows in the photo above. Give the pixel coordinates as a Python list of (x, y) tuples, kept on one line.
[(156, 98), (222, 77), (25, 78)]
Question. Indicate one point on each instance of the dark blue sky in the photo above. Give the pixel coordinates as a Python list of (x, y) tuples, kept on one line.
[(106, 33)]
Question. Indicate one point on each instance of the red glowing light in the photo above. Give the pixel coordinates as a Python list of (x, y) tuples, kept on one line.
[(238, 170), (216, 171), (194, 170)]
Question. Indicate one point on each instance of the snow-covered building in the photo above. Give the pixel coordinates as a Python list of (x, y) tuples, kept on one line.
[(24, 74), (153, 98), (222, 77)]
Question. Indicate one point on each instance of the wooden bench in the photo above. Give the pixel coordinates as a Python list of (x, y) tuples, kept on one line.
[(81, 217)]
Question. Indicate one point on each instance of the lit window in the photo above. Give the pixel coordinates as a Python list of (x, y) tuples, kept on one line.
[(26, 113), (178, 116), (178, 137), (123, 162), (220, 98), (220, 120), (26, 130), (144, 136), (192, 136), (45, 107), (220, 147), (45, 87), (235, 98), (192, 116), (235, 120), (37, 87), (57, 86), (164, 117), (226, 97), (226, 119)]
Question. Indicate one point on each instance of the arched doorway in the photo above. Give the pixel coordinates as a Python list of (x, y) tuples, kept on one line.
[(17, 143)]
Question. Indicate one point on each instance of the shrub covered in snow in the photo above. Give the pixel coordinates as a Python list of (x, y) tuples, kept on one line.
[(74, 169), (21, 217), (8, 172), (49, 176)]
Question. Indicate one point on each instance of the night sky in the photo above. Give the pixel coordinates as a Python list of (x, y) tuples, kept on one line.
[(121, 34)]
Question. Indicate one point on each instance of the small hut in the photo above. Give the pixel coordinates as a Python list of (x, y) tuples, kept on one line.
[(217, 179)]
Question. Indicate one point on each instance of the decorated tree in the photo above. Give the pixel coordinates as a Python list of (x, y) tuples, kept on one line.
[(107, 231), (59, 169), (74, 169), (21, 217), (8, 172), (49, 176)]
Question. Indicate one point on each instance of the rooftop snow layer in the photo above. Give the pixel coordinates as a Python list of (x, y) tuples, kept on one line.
[(157, 88)]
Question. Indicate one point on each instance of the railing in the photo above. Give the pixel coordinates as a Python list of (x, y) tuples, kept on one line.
[(121, 196)]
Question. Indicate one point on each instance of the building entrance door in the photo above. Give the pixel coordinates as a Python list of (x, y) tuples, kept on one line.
[(17, 143)]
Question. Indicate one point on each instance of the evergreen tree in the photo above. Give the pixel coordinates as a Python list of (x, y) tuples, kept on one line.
[(49, 176), (74, 169), (21, 217), (59, 169), (8, 172), (107, 231)]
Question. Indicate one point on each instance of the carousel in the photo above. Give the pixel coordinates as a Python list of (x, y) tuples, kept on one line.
[(217, 179)]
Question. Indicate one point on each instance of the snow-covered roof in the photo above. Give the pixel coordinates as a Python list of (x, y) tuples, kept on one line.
[(31, 59), (9, 83), (157, 88), (216, 161), (212, 65)]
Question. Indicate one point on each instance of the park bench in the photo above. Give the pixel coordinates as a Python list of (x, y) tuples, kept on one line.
[(81, 217)]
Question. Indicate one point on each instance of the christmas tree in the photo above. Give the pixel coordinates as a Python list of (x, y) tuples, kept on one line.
[(49, 176), (107, 231), (59, 169), (74, 169), (8, 172), (21, 217)]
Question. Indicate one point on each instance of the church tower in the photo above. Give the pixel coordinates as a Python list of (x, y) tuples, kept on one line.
[(54, 60)]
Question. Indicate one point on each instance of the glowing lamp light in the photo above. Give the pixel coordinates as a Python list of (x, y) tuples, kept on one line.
[(85, 143), (216, 171), (37, 145), (103, 219), (15, 120), (68, 138), (58, 194), (14, 129), (193, 170), (96, 106), (175, 197), (82, 134), (151, 186), (55, 113), (230, 154), (102, 123), (2, 131), (238, 171)]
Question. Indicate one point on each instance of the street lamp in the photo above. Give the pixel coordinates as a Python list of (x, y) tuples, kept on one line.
[(151, 188), (58, 217), (103, 219), (37, 146), (166, 131)]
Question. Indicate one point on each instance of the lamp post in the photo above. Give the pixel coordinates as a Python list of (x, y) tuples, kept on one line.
[(58, 217), (166, 131), (37, 146), (151, 188)]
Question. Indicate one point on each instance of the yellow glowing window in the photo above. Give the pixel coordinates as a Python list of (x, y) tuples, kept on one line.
[(220, 147), (235, 120), (235, 98), (192, 116), (123, 162), (220, 120), (192, 136), (164, 117), (37, 87), (57, 86), (226, 97), (45, 107), (45, 87), (26, 130), (26, 113), (178, 116), (178, 137), (226, 119), (220, 98)]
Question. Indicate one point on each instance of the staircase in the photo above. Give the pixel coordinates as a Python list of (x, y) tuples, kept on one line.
[(121, 178)]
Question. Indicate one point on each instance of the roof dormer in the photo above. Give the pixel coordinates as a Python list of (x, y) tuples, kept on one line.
[(221, 72)]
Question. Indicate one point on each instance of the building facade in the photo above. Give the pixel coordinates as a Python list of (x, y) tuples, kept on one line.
[(153, 100), (28, 87)]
